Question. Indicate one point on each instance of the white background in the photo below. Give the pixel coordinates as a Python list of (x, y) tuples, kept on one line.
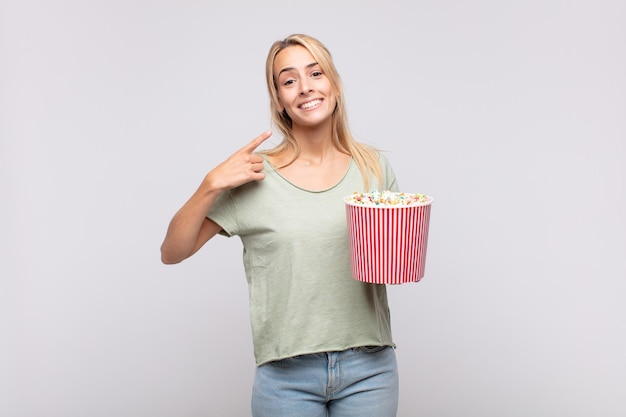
[(512, 114)]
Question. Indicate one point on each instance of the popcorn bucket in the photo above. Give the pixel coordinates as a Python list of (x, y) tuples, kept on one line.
[(388, 242)]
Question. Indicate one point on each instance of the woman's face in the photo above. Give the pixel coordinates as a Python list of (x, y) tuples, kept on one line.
[(304, 91)]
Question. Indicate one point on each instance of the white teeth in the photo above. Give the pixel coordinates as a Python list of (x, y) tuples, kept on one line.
[(311, 104)]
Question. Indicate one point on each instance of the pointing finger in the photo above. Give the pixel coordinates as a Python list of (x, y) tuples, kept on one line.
[(256, 142)]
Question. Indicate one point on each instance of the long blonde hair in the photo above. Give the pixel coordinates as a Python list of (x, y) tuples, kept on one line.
[(365, 157)]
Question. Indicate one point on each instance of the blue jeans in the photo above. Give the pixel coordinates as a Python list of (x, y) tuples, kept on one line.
[(359, 382)]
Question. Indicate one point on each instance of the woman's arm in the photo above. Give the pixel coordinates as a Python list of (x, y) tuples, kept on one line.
[(190, 229)]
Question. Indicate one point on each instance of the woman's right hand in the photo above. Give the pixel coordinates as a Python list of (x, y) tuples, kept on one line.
[(190, 229), (241, 167)]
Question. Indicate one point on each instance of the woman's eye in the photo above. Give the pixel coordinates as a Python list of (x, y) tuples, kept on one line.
[(289, 82), (317, 73)]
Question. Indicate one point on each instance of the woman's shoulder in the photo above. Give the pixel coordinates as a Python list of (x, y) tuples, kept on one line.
[(375, 152), (278, 157)]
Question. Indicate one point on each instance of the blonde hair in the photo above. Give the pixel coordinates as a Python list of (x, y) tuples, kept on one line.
[(365, 157)]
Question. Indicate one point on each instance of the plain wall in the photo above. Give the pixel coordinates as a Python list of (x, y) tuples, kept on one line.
[(512, 114)]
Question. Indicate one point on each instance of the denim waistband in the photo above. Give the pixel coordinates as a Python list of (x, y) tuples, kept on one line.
[(370, 349)]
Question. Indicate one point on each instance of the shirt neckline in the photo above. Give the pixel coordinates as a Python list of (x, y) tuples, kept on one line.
[(274, 169)]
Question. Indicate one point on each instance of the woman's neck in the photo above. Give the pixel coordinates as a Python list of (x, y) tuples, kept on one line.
[(316, 143)]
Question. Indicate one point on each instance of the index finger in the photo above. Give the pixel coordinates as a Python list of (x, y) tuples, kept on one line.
[(256, 142)]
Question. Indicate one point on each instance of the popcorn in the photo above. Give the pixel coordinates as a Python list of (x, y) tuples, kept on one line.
[(386, 199), (388, 236)]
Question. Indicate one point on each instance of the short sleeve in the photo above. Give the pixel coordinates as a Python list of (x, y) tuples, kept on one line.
[(223, 213)]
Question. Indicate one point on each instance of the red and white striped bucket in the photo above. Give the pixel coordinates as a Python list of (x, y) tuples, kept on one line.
[(388, 243)]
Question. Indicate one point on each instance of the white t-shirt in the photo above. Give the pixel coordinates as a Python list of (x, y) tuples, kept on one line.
[(303, 298)]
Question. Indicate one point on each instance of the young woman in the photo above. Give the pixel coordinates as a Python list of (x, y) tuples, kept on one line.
[(322, 340)]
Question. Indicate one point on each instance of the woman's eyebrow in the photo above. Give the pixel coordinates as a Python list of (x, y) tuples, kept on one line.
[(286, 69)]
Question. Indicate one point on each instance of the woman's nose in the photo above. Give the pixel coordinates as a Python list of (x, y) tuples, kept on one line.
[(305, 88)]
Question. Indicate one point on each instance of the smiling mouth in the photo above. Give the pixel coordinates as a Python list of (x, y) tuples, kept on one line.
[(310, 104)]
